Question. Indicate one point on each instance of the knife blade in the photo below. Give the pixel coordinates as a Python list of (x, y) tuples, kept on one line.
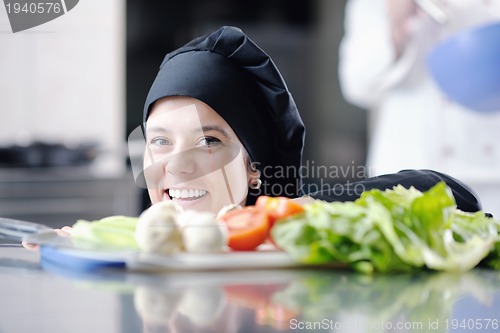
[(36, 233), (63, 251), (18, 229)]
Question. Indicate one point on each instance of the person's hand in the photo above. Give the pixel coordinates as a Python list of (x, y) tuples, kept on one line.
[(64, 231), (401, 14)]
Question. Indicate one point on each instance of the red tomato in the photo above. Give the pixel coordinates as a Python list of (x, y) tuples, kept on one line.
[(248, 228), (278, 208)]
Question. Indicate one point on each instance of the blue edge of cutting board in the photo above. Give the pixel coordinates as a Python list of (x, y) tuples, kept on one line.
[(58, 257)]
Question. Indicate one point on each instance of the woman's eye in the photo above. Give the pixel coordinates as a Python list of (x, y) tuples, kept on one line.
[(209, 141), (160, 141)]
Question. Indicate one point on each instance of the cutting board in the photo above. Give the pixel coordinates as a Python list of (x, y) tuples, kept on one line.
[(83, 259)]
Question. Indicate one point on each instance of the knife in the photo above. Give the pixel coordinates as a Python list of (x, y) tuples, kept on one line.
[(61, 250), (31, 232), (18, 230)]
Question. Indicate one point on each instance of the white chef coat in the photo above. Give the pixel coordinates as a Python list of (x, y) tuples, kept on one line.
[(412, 124)]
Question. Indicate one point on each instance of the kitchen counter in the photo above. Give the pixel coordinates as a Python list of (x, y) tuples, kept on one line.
[(38, 297)]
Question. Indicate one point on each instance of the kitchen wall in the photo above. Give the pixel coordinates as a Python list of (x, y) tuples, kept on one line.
[(64, 81)]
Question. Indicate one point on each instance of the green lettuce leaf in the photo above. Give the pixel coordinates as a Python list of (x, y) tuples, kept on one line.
[(113, 231), (395, 230)]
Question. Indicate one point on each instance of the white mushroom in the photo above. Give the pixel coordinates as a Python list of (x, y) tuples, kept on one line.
[(202, 233), (157, 229)]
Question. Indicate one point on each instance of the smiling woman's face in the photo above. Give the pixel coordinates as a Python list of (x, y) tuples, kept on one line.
[(193, 157)]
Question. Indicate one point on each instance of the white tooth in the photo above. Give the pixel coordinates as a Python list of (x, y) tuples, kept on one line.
[(177, 193), (191, 193), (196, 193), (184, 194)]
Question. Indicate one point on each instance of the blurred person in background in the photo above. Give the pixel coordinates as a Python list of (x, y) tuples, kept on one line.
[(382, 68)]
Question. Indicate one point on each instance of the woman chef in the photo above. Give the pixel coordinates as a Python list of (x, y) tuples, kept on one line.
[(220, 123)]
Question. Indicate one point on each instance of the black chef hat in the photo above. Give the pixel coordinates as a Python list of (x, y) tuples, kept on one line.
[(230, 73)]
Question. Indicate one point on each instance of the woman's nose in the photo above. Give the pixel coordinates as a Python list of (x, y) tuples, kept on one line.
[(182, 162)]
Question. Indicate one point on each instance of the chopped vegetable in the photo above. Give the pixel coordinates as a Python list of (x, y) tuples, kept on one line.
[(202, 233), (393, 230), (161, 229), (248, 228), (278, 208), (114, 231), (158, 231)]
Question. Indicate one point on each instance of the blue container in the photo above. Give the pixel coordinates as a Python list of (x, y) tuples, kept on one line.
[(466, 67)]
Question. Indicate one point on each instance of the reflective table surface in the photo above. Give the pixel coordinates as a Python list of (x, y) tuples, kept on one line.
[(38, 297)]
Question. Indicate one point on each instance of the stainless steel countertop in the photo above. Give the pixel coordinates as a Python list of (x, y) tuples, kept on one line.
[(50, 299)]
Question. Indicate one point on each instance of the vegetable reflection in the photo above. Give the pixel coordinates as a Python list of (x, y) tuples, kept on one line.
[(342, 301), (275, 300), (376, 303), (182, 310)]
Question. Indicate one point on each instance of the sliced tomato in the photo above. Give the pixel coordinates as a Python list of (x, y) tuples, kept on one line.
[(278, 208), (248, 228)]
